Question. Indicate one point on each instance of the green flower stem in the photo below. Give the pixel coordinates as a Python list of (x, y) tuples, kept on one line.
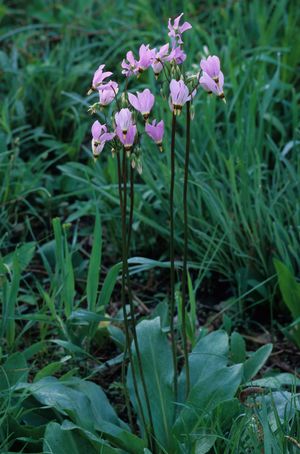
[(126, 394), (131, 206), (123, 298), (172, 257), (131, 305), (185, 247)]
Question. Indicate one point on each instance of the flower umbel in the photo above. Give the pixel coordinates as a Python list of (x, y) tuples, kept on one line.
[(143, 102)]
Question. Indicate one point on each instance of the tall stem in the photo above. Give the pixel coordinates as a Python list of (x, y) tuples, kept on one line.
[(172, 257), (131, 207), (185, 246), (123, 297), (131, 305)]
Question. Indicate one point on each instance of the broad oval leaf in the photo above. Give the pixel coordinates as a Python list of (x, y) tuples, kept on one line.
[(156, 358), (256, 361), (209, 355), (205, 396), (69, 438)]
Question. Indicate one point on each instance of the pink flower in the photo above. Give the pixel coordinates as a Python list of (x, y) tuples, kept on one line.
[(100, 137), (146, 57), (99, 77), (177, 55), (123, 120), (108, 92), (143, 102), (127, 139), (211, 66), (156, 132), (129, 66), (211, 86), (179, 95), (176, 30), (132, 66), (160, 57)]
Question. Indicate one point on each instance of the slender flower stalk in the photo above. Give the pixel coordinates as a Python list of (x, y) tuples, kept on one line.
[(185, 245), (172, 257), (125, 275), (123, 296), (131, 207)]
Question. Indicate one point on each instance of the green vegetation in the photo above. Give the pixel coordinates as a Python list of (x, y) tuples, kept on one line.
[(60, 232)]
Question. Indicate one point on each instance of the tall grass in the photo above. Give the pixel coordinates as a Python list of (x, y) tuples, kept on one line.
[(244, 173)]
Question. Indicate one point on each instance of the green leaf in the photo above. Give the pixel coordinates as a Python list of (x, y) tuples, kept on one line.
[(34, 349), (280, 407), (64, 272), (256, 361), (59, 257), (51, 392), (108, 285), (61, 441), (105, 418), (13, 371), (237, 348), (157, 365), (70, 347), (204, 443), (209, 355), (205, 396), (192, 313), (10, 295), (94, 265), (97, 441), (69, 281), (276, 381), (33, 432), (290, 290), (83, 316), (89, 409), (117, 335), (24, 253), (100, 406), (50, 369)]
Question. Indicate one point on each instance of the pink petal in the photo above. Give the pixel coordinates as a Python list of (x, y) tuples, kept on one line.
[(96, 129), (186, 26), (133, 101), (177, 20)]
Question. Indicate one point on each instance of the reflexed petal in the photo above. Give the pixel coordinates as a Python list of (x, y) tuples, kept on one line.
[(186, 26), (96, 130), (133, 101)]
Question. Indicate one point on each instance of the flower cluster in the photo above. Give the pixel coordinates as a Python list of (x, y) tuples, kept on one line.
[(167, 59)]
